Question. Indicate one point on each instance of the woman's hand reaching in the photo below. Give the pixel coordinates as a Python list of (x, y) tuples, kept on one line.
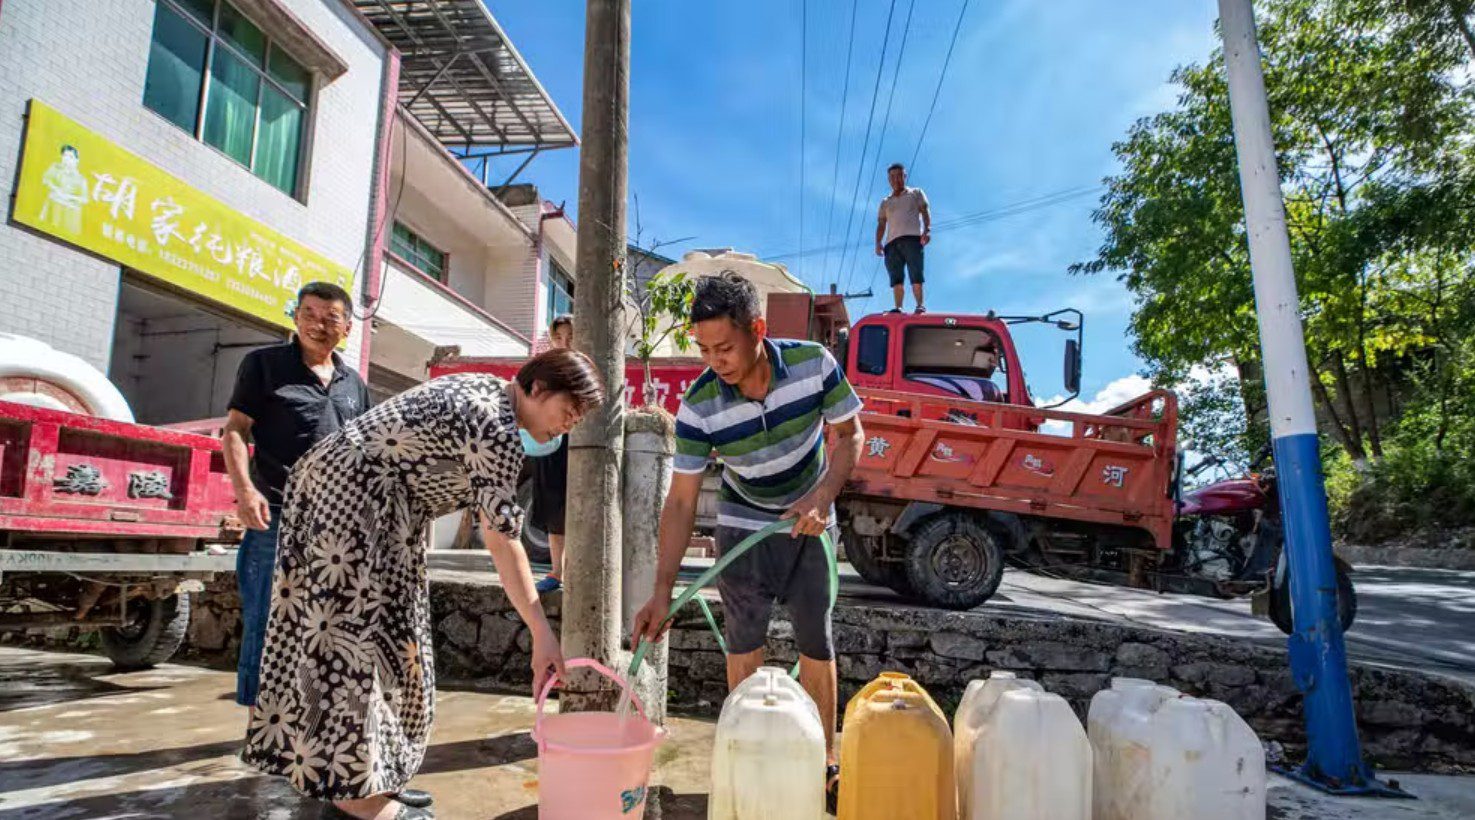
[(547, 658)]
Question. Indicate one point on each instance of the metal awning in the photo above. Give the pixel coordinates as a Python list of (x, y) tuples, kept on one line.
[(461, 77)]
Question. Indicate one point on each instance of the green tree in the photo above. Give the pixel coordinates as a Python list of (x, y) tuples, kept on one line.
[(1372, 108), (663, 307)]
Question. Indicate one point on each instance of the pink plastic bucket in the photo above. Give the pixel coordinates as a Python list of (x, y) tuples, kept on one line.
[(590, 766)]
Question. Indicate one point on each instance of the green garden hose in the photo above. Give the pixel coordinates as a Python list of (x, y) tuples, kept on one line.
[(716, 569)]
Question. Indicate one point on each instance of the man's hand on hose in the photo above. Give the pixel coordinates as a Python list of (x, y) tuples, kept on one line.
[(811, 513), (650, 621)]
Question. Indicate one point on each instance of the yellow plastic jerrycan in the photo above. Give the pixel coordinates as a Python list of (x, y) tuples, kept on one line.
[(896, 754)]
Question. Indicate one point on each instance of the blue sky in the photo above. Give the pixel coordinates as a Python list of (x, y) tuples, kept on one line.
[(1036, 93)]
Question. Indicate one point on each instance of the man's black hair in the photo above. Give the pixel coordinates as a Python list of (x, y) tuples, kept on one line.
[(73, 149), (896, 166), (725, 294), (326, 291), (560, 320)]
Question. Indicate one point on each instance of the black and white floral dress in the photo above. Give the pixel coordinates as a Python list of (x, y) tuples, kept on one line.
[(348, 677)]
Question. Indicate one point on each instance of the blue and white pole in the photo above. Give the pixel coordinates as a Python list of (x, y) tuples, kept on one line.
[(1318, 655)]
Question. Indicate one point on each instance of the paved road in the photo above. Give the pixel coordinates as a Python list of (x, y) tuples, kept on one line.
[(1409, 618), (1417, 618)]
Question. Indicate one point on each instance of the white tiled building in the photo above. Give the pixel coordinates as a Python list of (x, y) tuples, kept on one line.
[(328, 125)]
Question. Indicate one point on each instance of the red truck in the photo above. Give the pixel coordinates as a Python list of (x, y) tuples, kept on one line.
[(106, 524), (960, 470)]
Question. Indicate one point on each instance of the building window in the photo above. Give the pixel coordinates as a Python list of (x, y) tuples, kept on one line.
[(213, 73), (870, 357), (411, 247), (560, 293)]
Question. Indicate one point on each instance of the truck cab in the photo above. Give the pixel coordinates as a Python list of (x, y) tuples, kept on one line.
[(946, 355)]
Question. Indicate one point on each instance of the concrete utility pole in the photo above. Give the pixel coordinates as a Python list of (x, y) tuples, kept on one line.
[(1317, 653), (591, 604)]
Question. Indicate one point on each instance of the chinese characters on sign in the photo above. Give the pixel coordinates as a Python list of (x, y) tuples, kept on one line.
[(876, 447), (149, 484), (83, 189), (1113, 476), (81, 479)]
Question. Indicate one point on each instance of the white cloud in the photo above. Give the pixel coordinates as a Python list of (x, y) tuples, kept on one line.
[(1116, 393)]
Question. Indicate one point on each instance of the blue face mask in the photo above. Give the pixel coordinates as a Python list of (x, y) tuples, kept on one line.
[(535, 448)]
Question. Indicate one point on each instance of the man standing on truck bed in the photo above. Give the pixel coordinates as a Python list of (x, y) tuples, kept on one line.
[(905, 223), (762, 405), (287, 398)]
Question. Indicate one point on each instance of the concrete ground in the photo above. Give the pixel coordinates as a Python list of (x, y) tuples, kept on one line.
[(79, 741)]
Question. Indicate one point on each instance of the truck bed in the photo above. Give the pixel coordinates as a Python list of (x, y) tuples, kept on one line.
[(64, 475), (1115, 468)]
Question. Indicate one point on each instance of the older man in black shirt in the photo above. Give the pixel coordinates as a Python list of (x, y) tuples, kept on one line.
[(287, 398)]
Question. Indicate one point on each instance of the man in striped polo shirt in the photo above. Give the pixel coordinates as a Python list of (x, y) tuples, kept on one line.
[(761, 405)]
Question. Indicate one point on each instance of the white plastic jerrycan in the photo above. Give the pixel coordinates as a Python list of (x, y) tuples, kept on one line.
[(1207, 763), (975, 708), (1031, 760), (1161, 755), (768, 759), (1119, 725)]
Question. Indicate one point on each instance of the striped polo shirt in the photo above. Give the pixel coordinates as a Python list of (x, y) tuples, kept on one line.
[(772, 450)]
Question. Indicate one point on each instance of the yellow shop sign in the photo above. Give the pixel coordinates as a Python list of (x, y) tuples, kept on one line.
[(81, 188)]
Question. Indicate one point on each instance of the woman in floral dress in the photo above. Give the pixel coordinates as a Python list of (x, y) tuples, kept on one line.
[(348, 675)]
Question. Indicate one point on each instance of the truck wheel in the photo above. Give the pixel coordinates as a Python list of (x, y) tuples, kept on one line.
[(1281, 609), (154, 632), (954, 562), (861, 551), (534, 540)]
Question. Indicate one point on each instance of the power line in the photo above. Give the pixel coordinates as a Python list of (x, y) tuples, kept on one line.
[(885, 123), (803, 98), (840, 133), (865, 144), (946, 61), (978, 217)]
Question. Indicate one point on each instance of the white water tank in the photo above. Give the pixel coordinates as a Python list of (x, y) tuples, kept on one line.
[(35, 373), (975, 708), (1118, 724), (1030, 760), (768, 759), (1207, 763), (1160, 754)]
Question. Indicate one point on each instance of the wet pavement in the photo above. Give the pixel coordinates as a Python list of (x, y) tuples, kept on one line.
[(78, 740)]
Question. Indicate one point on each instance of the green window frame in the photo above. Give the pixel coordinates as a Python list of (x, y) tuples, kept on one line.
[(216, 75), (420, 254)]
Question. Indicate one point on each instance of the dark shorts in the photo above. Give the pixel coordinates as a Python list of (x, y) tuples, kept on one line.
[(904, 257), (550, 489), (789, 571)]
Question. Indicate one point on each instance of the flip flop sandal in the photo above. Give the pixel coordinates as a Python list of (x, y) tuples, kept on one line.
[(332, 812), (832, 788), (414, 798)]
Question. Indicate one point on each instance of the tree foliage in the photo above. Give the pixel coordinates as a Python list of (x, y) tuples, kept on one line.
[(663, 306), (1373, 116)]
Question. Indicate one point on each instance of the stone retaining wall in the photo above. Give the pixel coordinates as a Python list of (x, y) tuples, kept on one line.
[(1408, 720)]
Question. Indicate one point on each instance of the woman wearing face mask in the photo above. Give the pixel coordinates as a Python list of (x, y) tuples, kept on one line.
[(348, 676)]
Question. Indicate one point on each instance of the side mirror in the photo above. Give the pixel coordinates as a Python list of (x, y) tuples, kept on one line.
[(1072, 366)]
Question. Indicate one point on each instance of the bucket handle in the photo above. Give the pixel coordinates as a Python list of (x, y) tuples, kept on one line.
[(584, 663)]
